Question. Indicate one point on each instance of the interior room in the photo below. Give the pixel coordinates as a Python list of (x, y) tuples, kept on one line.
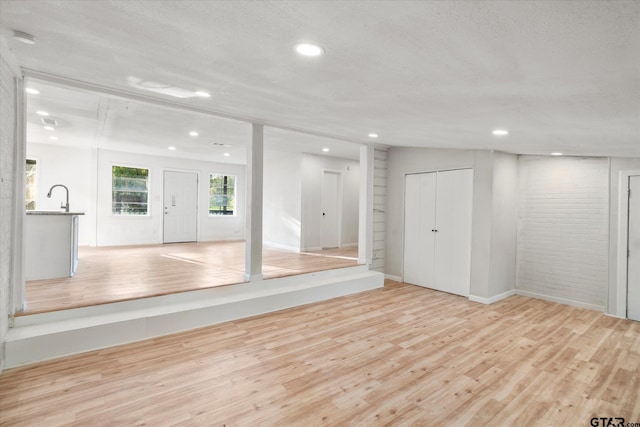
[(305, 213), (128, 250)]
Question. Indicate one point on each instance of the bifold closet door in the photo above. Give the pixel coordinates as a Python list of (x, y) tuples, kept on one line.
[(453, 239), (420, 214), (437, 233)]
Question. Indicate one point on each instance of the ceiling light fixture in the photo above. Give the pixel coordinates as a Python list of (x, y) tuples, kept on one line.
[(172, 148), (326, 150), (42, 113), (23, 37), (373, 135), (32, 91), (556, 154), (227, 154), (501, 132), (49, 128), (203, 94), (53, 138), (193, 133), (308, 49)]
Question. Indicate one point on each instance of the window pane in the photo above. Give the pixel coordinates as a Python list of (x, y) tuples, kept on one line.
[(222, 194), (30, 196), (129, 191)]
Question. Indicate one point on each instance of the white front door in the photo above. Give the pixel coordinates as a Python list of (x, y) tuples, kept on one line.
[(330, 206), (633, 245), (180, 206)]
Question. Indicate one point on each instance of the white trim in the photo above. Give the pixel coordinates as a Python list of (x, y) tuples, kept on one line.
[(559, 300), (623, 223), (312, 248), (349, 245), (492, 299), (614, 316), (392, 277)]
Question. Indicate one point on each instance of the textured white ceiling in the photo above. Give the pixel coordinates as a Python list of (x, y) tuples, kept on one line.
[(560, 75)]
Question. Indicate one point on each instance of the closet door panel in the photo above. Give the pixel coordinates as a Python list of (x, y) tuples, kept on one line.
[(444, 248), (427, 223)]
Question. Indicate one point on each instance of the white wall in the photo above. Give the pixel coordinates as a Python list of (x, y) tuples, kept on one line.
[(8, 187), (493, 232), (312, 172), (504, 223), (70, 166), (282, 195), (132, 230), (563, 229), (617, 164)]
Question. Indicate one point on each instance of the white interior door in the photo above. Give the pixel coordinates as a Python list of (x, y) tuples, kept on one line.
[(330, 205), (420, 196), (633, 244), (453, 237), (180, 206)]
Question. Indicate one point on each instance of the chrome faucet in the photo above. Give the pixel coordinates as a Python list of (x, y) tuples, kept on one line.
[(63, 206)]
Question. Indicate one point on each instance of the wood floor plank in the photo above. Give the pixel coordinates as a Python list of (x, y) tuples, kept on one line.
[(401, 355), (110, 274)]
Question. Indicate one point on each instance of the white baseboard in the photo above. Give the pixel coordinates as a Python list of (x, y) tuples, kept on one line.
[(615, 315), (349, 245), (559, 300), (392, 277), (492, 299), (312, 248)]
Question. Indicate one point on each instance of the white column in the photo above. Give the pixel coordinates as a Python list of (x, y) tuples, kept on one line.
[(365, 230), (253, 256), (17, 284)]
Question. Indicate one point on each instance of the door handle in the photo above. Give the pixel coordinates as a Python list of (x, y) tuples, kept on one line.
[(173, 200), (322, 213)]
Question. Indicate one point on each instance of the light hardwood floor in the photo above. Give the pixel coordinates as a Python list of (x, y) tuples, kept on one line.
[(110, 274), (402, 355)]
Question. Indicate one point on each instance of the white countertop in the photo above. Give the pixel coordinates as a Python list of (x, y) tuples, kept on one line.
[(53, 213)]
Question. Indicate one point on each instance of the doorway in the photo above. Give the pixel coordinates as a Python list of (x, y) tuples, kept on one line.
[(331, 210), (633, 249), (180, 207)]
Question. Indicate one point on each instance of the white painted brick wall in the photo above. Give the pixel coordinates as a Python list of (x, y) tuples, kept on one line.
[(379, 207), (563, 228), (7, 191)]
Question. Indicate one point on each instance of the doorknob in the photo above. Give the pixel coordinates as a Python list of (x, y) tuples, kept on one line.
[(322, 213)]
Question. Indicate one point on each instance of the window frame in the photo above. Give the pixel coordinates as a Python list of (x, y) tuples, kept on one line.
[(129, 215), (235, 194)]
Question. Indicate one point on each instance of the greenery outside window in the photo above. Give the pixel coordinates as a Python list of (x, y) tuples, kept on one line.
[(222, 194), (30, 196), (129, 191)]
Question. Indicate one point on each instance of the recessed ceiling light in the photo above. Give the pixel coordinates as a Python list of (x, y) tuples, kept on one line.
[(32, 91), (556, 154), (203, 94), (23, 37), (326, 150), (227, 154), (373, 135), (49, 128), (228, 145), (501, 132), (42, 113), (193, 133), (172, 148), (53, 138), (308, 49)]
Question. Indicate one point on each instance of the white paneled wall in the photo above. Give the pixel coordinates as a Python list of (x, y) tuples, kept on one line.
[(8, 196), (379, 207), (562, 250)]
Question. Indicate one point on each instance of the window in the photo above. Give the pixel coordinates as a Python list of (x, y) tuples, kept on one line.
[(30, 195), (129, 191), (222, 194)]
